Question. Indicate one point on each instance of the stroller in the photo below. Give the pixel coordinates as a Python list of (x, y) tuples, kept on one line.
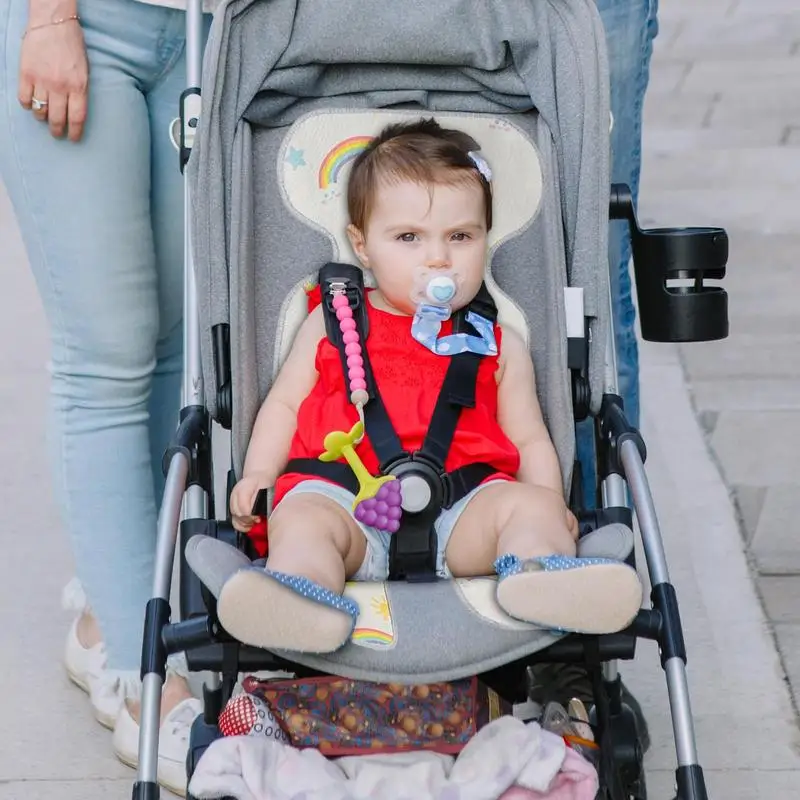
[(291, 91)]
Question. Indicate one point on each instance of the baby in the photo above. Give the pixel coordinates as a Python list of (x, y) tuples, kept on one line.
[(420, 207)]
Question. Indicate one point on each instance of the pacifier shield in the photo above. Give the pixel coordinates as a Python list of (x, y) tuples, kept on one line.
[(442, 289)]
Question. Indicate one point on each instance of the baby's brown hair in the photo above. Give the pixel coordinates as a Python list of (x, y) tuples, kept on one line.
[(420, 151)]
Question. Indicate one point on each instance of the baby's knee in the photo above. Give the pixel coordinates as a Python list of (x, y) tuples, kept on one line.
[(308, 520)]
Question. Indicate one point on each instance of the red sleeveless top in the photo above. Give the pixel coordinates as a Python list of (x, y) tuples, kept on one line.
[(409, 378)]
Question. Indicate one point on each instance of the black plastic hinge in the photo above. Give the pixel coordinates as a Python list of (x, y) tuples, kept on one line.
[(671, 643), (190, 119), (154, 652)]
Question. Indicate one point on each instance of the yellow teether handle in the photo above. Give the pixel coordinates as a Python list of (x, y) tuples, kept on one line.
[(339, 444)]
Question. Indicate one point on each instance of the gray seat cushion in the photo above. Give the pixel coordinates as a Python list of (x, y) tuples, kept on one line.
[(409, 633)]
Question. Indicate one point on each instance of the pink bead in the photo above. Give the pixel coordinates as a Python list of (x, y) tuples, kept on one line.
[(340, 300), (380, 522), (350, 337), (393, 525), (355, 361), (356, 372), (345, 312), (353, 349), (370, 518), (358, 383), (348, 324)]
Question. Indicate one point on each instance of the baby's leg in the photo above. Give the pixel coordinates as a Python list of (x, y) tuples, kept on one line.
[(296, 603), (521, 532)]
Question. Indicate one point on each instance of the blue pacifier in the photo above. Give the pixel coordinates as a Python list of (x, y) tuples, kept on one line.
[(441, 289), (434, 293)]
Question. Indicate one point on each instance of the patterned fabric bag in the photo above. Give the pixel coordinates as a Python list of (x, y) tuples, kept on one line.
[(339, 716)]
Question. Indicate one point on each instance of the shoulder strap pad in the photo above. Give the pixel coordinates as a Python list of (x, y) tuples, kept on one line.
[(351, 279)]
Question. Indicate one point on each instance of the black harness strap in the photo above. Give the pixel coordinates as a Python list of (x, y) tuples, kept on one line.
[(458, 388), (335, 471)]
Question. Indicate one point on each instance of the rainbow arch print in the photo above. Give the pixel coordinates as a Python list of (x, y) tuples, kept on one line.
[(371, 636), (339, 155)]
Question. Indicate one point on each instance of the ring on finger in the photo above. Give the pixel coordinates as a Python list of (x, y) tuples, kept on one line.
[(37, 104)]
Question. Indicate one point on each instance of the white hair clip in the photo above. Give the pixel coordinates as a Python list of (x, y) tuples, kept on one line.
[(481, 165)]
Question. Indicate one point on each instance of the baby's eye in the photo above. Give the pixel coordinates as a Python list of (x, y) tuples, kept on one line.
[(407, 237), (461, 237)]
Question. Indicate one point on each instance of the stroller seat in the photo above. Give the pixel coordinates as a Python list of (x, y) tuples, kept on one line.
[(399, 620)]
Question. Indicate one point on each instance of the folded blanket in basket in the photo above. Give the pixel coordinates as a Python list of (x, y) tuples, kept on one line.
[(506, 760)]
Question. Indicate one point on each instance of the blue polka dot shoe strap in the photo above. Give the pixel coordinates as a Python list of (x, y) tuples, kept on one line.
[(509, 564), (313, 591)]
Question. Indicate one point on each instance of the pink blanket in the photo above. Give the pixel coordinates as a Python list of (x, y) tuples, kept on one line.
[(576, 780)]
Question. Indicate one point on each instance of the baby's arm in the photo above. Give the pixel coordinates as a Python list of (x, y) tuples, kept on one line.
[(276, 422), (520, 416)]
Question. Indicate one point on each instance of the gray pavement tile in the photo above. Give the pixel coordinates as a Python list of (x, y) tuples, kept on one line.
[(746, 394), (781, 598), (792, 136), (736, 169), (744, 356), (749, 502), (747, 8), (686, 112), (788, 636), (744, 37), (61, 789), (65, 790), (758, 449), (774, 544), (766, 109), (682, 10), (663, 139), (669, 77), (773, 76), (759, 209)]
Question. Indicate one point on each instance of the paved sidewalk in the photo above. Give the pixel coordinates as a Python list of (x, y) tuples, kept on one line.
[(722, 137), (722, 146)]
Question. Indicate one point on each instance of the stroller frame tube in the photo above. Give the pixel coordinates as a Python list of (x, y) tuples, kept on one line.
[(183, 497), (675, 667), (152, 672)]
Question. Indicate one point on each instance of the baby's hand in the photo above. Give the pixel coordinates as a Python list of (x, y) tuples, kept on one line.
[(243, 497)]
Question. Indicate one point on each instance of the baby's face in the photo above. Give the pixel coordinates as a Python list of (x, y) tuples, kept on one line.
[(439, 227)]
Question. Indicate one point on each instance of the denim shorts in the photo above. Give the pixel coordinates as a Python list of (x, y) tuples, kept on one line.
[(375, 566)]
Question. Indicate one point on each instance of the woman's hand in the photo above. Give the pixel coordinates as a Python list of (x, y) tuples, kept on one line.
[(54, 71)]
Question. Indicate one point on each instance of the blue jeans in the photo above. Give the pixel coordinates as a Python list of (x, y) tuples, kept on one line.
[(102, 222), (631, 26)]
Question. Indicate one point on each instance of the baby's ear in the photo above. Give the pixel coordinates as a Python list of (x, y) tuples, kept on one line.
[(358, 243)]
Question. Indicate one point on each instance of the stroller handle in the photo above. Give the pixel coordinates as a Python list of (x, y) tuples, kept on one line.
[(193, 393)]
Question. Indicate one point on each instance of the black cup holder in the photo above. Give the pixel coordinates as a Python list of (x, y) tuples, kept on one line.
[(672, 266)]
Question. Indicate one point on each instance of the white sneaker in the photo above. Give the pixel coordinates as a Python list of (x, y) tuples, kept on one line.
[(86, 666), (173, 743)]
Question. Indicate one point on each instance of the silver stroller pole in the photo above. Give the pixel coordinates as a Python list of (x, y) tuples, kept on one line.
[(677, 684), (179, 501)]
